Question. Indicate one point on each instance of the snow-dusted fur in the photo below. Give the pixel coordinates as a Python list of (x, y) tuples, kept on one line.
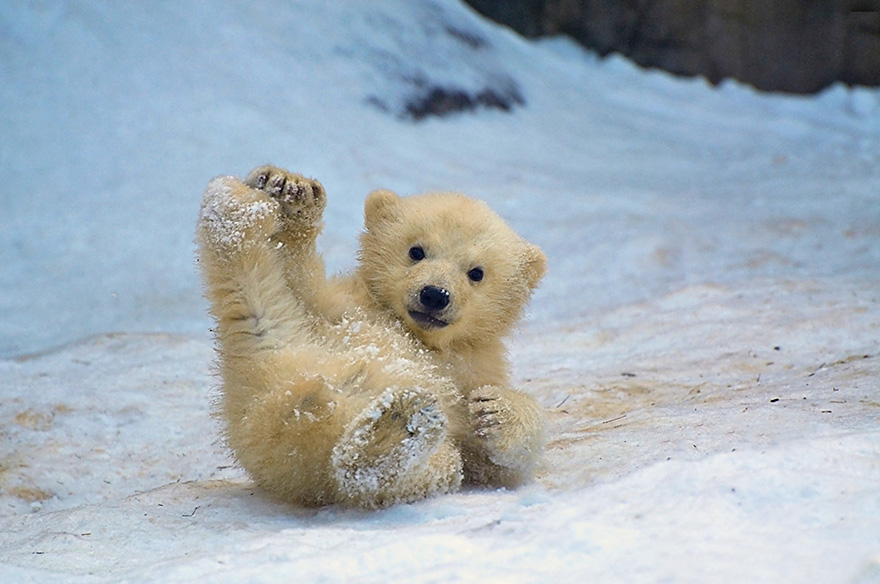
[(364, 389)]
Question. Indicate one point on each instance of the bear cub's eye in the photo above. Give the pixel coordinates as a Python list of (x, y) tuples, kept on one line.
[(476, 274), (416, 253)]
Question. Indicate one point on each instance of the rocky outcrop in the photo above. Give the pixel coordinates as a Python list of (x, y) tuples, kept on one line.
[(798, 46)]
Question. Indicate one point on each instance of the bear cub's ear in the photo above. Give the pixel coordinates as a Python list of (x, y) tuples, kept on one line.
[(535, 265), (379, 206)]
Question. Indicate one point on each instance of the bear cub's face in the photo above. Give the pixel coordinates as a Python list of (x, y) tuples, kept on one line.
[(447, 266)]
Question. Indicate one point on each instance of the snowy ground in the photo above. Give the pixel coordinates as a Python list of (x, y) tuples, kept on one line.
[(707, 341)]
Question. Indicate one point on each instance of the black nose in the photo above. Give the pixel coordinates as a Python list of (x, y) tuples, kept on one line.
[(434, 298)]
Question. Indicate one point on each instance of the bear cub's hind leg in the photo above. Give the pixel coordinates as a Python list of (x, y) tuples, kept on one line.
[(396, 450)]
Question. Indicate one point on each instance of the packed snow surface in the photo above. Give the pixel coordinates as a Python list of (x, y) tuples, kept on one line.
[(707, 342)]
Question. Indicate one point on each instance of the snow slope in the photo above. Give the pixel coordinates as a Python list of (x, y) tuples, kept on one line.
[(706, 341)]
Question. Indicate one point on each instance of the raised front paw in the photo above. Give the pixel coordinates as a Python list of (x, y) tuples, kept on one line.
[(302, 200), (234, 217), (508, 425)]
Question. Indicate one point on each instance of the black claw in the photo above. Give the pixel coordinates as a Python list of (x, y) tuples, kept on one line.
[(287, 192), (481, 400), (276, 185), (298, 193)]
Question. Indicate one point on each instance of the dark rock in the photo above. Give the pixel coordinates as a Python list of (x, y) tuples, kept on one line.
[(523, 16), (416, 74), (798, 46), (441, 101), (861, 50)]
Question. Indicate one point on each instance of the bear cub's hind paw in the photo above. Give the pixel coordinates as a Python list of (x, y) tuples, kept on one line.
[(388, 442), (302, 200)]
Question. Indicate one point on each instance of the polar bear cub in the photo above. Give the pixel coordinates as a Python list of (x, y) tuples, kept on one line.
[(383, 386)]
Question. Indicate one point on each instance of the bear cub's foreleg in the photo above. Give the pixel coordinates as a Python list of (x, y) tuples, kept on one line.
[(314, 439)]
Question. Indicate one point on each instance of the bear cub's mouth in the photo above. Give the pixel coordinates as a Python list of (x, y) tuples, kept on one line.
[(426, 321)]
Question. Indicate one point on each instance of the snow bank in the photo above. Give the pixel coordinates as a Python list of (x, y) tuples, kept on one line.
[(706, 341)]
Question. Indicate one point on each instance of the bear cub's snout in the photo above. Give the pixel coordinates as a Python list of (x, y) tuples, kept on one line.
[(430, 308), (434, 298)]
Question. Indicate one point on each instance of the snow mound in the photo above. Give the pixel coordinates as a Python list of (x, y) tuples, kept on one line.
[(739, 451)]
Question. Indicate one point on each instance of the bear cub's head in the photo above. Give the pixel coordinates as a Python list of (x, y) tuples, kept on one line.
[(447, 266)]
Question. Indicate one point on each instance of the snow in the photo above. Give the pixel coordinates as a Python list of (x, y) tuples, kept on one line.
[(706, 341)]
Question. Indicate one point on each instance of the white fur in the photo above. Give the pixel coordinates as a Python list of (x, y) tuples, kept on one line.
[(331, 392)]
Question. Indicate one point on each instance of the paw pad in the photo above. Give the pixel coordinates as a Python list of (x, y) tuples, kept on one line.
[(300, 198)]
